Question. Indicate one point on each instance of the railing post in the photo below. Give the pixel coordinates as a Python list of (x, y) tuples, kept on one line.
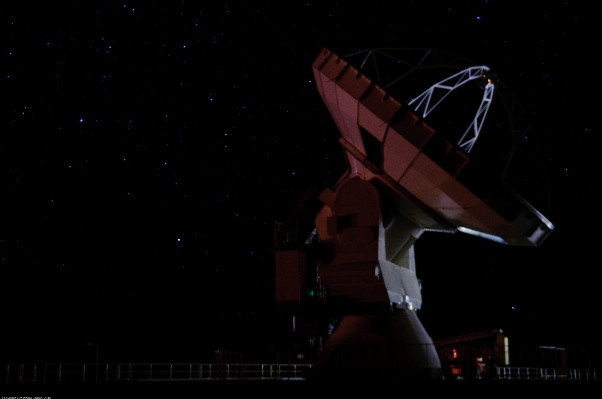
[(84, 373), (35, 369), (151, 372), (170, 371), (21, 372), (60, 372), (44, 373), (118, 372), (130, 372)]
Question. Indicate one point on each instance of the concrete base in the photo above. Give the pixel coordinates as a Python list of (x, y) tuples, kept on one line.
[(395, 345)]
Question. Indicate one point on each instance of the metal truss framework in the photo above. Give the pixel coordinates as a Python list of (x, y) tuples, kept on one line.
[(406, 61), (425, 100)]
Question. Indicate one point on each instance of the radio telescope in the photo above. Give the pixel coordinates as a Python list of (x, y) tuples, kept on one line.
[(406, 175)]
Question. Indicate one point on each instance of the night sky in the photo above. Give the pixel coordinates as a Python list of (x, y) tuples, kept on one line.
[(146, 150)]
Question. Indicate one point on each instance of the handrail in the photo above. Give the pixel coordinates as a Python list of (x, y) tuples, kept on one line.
[(540, 373), (61, 372), (86, 372)]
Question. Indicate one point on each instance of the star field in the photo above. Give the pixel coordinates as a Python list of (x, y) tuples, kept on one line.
[(146, 150)]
